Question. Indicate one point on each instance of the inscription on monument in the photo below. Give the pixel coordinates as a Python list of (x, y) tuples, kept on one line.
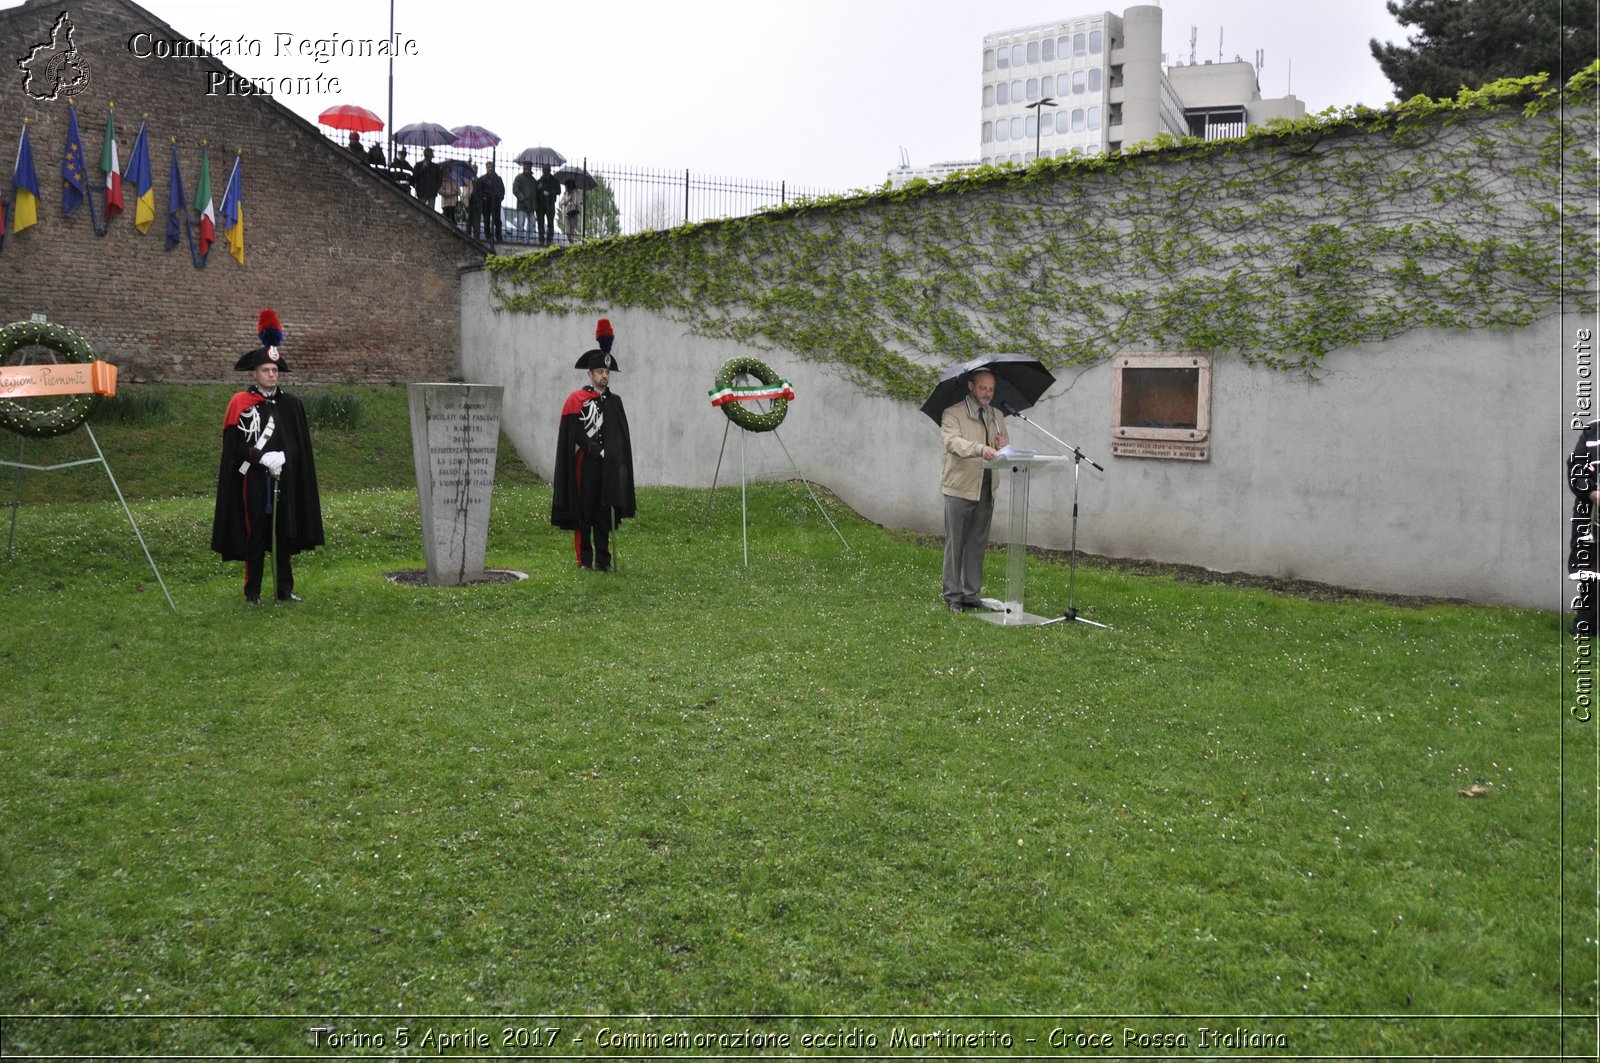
[(455, 435)]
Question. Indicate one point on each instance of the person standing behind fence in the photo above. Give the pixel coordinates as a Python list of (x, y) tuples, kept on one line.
[(492, 191), (545, 192), (450, 196), (426, 179), (470, 200), (522, 190), (571, 211)]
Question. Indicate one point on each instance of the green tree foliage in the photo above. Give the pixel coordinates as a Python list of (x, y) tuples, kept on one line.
[(1468, 43), (601, 215)]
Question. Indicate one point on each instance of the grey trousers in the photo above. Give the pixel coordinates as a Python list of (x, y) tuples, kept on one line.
[(966, 537)]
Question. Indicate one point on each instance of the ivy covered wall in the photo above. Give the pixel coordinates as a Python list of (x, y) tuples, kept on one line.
[(1390, 298), (1275, 248)]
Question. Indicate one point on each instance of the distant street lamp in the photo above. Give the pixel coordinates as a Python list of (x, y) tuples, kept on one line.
[(1047, 101)]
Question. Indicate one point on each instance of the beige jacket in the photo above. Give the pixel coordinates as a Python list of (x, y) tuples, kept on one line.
[(963, 448)]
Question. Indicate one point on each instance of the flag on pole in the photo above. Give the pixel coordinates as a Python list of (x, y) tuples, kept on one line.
[(26, 183), (175, 200), (74, 168), (138, 175), (204, 206), (111, 166), (233, 213)]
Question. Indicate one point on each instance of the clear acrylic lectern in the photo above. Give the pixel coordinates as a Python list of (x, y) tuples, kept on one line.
[(1019, 469)]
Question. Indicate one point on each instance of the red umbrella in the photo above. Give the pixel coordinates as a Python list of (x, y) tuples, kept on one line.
[(349, 116)]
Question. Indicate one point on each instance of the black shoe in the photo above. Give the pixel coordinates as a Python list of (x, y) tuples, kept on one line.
[(973, 603), (605, 567), (252, 601), (290, 597), (958, 607)]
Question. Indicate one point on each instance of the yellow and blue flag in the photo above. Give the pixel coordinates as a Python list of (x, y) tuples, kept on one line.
[(138, 175), (233, 213), (25, 206)]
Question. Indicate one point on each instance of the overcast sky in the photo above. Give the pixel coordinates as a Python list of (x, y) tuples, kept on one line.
[(821, 93)]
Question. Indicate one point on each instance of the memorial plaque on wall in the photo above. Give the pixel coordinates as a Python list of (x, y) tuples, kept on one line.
[(1161, 405), (455, 436)]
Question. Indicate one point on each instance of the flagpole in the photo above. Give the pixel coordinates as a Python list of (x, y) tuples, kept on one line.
[(391, 81)]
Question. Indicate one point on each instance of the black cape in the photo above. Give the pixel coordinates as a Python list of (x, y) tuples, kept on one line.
[(616, 484), (299, 503)]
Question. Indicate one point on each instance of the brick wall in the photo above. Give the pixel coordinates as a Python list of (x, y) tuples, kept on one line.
[(364, 278)]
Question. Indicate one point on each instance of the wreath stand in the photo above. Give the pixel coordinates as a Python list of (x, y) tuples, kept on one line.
[(59, 421), (728, 396)]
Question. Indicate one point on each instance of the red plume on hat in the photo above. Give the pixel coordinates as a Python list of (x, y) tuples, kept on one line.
[(268, 328), (603, 335)]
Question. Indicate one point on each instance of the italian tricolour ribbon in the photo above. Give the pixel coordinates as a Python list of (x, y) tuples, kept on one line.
[(780, 390)]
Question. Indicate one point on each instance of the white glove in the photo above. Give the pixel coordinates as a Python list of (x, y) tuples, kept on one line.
[(273, 461)]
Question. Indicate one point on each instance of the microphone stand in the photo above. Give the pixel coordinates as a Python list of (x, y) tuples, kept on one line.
[(1078, 456)]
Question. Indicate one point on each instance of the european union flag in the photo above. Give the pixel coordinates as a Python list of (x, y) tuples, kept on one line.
[(74, 170), (175, 200)]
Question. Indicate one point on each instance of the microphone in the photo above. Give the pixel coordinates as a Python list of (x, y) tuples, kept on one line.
[(1008, 409)]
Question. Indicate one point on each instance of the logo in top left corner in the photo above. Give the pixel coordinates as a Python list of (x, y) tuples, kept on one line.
[(54, 67)]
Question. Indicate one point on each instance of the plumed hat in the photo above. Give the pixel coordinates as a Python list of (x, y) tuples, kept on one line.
[(600, 357), (269, 330), (597, 359)]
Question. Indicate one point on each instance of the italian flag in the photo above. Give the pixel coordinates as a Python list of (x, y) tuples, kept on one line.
[(203, 205), (780, 390), (113, 170)]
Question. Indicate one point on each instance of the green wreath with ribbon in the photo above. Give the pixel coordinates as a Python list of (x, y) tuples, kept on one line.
[(42, 422), (732, 399)]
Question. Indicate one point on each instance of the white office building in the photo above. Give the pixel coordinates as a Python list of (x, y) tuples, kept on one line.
[(1108, 86)]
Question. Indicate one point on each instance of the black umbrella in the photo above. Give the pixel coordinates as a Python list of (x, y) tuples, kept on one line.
[(582, 178), (1019, 381)]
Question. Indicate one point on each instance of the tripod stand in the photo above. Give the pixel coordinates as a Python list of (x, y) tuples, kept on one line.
[(1078, 457)]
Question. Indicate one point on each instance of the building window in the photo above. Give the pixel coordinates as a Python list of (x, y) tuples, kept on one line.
[(1063, 119), (1077, 119), (1047, 125), (988, 95), (1095, 42), (1030, 127), (1002, 130), (1016, 92), (1094, 118), (1033, 51), (1080, 44), (1016, 159), (1047, 50), (1002, 93), (1161, 405), (1094, 80), (1078, 81), (988, 60), (1016, 128), (1033, 89), (1017, 53), (1002, 58), (1063, 46), (988, 132)]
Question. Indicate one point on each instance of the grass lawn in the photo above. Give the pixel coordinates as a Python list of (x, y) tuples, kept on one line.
[(797, 789)]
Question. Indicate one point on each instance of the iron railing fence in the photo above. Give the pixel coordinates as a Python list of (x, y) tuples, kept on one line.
[(633, 199)]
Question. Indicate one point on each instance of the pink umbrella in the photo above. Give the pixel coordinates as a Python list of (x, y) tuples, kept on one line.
[(349, 116), (473, 137)]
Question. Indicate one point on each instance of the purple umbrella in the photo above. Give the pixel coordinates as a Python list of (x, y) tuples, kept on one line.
[(473, 137), (424, 135)]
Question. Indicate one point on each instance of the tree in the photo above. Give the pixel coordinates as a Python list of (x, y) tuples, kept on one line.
[(661, 212), (600, 210), (1469, 43)]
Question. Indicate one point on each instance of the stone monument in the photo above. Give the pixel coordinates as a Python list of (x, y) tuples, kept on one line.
[(455, 434)]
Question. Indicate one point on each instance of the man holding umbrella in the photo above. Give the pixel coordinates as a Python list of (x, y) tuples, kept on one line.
[(972, 432)]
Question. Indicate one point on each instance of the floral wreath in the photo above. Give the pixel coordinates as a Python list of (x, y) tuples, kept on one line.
[(44, 422), (732, 399)]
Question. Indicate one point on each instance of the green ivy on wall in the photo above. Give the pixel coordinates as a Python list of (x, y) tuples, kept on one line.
[(1276, 247)]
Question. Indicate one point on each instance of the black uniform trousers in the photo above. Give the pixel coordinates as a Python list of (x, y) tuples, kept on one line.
[(592, 539)]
